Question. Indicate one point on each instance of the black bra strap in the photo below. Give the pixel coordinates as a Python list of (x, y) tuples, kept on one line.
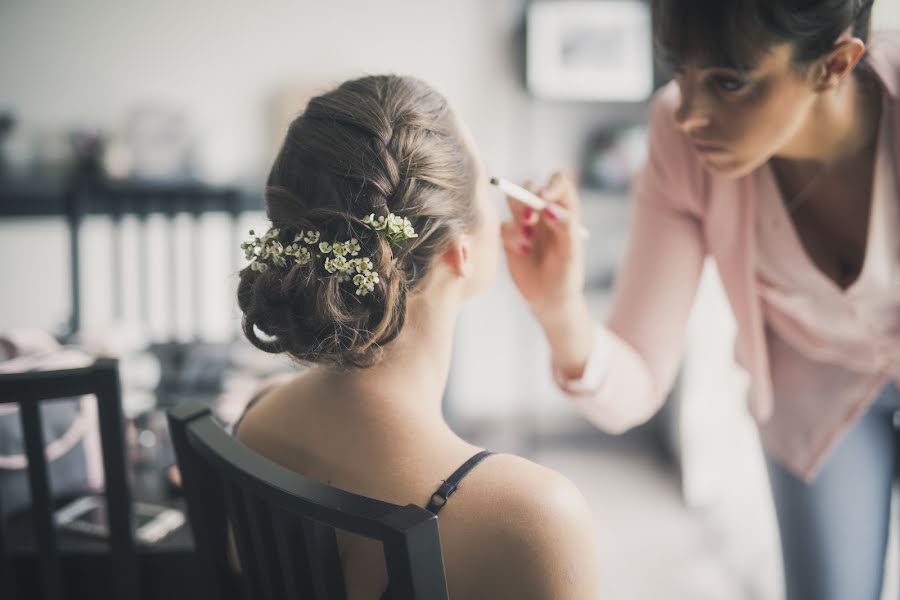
[(439, 498)]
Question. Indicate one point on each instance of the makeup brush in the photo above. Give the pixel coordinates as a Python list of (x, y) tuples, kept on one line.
[(534, 201)]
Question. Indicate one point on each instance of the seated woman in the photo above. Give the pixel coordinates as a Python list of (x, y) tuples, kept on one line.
[(381, 229)]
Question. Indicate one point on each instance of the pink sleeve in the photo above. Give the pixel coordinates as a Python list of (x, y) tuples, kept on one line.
[(636, 354)]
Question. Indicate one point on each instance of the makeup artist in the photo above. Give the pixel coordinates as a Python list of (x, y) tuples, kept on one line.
[(774, 151)]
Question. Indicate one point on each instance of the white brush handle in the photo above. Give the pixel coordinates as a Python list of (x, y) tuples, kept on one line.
[(535, 201)]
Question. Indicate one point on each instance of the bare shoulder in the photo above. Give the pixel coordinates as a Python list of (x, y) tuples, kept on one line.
[(534, 537), (524, 485), (255, 423)]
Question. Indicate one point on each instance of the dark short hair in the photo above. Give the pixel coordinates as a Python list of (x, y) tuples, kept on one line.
[(735, 33)]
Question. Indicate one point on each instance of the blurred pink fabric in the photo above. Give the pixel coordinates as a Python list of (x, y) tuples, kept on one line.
[(816, 355)]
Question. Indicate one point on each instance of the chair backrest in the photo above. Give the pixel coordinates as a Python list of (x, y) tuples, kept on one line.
[(284, 523), (28, 390)]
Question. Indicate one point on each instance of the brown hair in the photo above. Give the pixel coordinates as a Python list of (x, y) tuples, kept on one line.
[(380, 144)]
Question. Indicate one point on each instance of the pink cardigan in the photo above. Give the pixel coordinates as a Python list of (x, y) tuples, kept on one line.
[(682, 214)]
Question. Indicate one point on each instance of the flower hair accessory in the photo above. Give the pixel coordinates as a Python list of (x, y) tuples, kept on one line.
[(341, 258), (394, 228)]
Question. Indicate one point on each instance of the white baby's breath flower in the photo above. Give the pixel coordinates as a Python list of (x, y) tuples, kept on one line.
[(273, 248), (267, 250), (364, 264), (300, 253), (340, 263), (364, 289)]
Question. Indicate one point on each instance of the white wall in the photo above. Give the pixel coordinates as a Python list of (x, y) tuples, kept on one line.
[(886, 14), (90, 63)]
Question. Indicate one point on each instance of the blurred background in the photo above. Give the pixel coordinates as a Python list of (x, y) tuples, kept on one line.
[(134, 140)]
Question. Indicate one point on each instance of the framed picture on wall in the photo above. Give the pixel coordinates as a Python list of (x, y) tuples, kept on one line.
[(590, 50)]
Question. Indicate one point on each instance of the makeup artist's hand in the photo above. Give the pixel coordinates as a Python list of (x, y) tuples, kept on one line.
[(546, 261)]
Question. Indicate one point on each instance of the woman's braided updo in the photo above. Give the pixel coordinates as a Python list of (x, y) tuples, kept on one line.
[(381, 144)]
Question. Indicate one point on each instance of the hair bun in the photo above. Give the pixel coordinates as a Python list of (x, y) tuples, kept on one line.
[(324, 288)]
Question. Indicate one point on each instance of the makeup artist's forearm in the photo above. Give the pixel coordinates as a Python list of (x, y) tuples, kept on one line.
[(570, 334)]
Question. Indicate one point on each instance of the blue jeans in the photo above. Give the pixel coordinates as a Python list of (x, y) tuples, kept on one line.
[(834, 530)]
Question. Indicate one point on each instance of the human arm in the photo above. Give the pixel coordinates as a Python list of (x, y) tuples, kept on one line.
[(618, 373)]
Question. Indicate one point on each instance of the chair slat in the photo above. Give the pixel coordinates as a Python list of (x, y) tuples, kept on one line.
[(206, 512), (266, 551), (292, 557), (172, 291), (7, 584), (325, 566), (415, 542), (74, 217), (120, 509), (42, 506), (145, 268), (251, 580), (116, 277), (198, 306)]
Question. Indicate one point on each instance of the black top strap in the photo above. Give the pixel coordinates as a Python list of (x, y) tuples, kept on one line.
[(439, 498)]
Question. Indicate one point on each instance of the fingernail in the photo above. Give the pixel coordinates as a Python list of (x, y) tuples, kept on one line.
[(528, 231), (551, 213), (528, 212)]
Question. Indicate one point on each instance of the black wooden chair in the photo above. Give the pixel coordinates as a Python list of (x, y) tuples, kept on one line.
[(284, 523), (29, 390)]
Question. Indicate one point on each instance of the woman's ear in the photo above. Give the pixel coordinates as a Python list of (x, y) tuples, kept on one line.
[(839, 63), (458, 256)]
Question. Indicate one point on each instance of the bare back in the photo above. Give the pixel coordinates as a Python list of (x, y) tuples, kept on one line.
[(508, 514)]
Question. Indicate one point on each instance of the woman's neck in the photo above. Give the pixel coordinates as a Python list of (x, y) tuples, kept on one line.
[(409, 381), (841, 123)]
